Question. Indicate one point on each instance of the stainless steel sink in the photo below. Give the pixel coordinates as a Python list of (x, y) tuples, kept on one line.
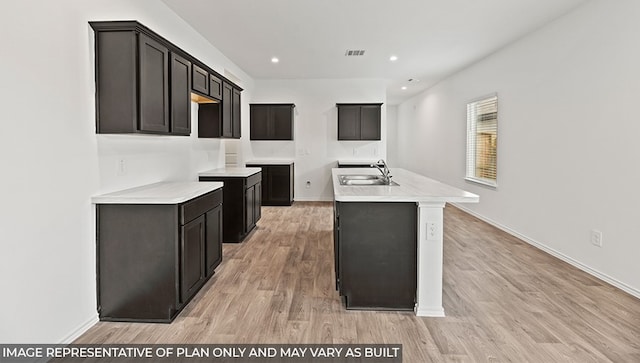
[(364, 180)]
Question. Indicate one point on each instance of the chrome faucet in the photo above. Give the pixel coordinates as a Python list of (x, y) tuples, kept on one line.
[(386, 174)]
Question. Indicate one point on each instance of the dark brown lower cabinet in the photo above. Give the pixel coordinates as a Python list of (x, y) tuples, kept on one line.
[(375, 246), (153, 258), (277, 183), (242, 199)]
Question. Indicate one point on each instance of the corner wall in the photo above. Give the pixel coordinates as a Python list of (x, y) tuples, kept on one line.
[(53, 162), (568, 153)]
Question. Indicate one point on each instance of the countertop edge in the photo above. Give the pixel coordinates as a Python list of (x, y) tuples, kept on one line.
[(234, 172), (136, 195), (417, 189)]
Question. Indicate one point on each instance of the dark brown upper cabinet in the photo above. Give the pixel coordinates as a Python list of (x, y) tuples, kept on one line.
[(206, 83), (200, 80), (271, 121), (145, 84), (180, 95), (221, 119), (215, 87), (359, 121)]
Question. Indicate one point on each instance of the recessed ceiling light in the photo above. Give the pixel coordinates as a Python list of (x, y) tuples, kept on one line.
[(404, 88), (275, 60), (393, 58)]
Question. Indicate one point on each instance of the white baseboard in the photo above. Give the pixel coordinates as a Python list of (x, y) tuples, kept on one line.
[(430, 311), (81, 329), (313, 199), (593, 272)]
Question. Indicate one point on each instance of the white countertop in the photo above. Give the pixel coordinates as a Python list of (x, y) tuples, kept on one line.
[(271, 161), (231, 172), (412, 188), (158, 193)]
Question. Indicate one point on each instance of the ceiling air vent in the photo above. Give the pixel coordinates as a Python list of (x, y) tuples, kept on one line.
[(354, 53)]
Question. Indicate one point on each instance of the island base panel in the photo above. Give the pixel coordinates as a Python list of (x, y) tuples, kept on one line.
[(377, 255)]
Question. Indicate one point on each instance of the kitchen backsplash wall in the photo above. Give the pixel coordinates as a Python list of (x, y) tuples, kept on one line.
[(315, 147)]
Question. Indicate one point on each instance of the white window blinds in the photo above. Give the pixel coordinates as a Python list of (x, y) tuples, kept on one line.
[(482, 141)]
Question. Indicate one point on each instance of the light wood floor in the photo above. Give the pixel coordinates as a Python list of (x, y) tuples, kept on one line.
[(504, 300)]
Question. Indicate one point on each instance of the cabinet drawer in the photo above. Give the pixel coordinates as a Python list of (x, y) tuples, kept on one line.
[(254, 179), (199, 206)]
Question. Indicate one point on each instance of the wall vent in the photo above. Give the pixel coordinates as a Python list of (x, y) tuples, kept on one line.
[(354, 53)]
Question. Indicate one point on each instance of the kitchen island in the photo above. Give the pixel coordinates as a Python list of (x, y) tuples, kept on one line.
[(242, 199), (403, 225)]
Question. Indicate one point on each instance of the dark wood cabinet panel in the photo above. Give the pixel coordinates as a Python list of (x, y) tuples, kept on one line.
[(359, 121), (151, 257), (349, 123), (154, 86), (200, 80), (370, 122), (180, 95), (259, 122), (140, 83), (209, 120), (277, 184), (214, 220), (215, 87), (376, 254), (192, 254), (271, 121), (235, 117), (250, 213), (227, 110), (240, 206), (221, 119)]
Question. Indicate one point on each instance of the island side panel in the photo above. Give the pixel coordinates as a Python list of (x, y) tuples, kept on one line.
[(377, 255), (430, 250)]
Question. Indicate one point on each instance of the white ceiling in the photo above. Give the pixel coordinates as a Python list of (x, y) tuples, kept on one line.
[(431, 38)]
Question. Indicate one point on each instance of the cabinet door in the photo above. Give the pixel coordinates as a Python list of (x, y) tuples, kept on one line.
[(259, 122), (227, 110), (370, 123), (257, 203), (249, 213), (215, 87), (236, 114), (200, 80), (180, 95), (279, 184), (349, 123), (281, 122), (192, 257), (153, 86), (213, 246)]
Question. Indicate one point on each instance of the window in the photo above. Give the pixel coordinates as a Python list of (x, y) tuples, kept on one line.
[(482, 141)]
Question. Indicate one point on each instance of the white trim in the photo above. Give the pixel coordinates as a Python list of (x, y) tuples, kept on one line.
[(595, 273), (430, 311), (313, 199), (485, 182), (81, 329)]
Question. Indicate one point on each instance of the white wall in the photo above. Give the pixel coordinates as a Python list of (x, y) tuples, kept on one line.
[(568, 153), (393, 156), (53, 162), (315, 147)]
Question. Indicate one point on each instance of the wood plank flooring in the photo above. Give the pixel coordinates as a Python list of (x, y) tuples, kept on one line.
[(505, 301)]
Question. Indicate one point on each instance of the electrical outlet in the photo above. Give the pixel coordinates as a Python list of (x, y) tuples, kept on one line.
[(308, 184), (432, 231), (596, 238), (122, 167)]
